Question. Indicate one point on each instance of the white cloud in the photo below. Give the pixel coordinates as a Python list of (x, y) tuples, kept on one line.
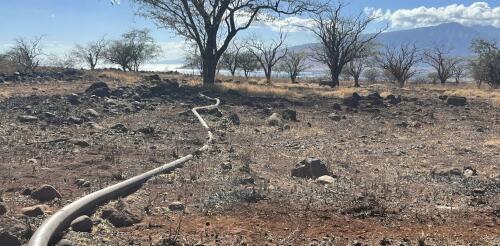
[(478, 13)]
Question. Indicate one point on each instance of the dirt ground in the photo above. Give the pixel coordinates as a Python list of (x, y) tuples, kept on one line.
[(417, 172)]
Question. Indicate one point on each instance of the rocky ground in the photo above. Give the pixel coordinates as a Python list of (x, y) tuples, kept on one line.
[(414, 168)]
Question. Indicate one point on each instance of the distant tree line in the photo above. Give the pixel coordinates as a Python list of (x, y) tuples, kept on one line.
[(211, 29)]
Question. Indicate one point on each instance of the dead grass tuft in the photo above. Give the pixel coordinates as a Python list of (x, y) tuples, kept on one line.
[(120, 76), (495, 142)]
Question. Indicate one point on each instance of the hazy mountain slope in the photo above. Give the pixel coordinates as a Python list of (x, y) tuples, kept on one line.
[(452, 35)]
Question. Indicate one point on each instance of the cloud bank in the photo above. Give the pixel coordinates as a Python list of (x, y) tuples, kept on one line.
[(478, 13)]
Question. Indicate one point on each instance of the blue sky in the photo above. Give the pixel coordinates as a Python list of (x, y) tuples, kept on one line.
[(68, 22)]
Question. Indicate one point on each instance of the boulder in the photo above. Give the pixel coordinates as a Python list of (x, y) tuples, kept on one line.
[(7, 239), (274, 120), (289, 114), (154, 77), (27, 118), (3, 208), (456, 101), (310, 168), (82, 224), (148, 130), (176, 206), (34, 211), (45, 193)]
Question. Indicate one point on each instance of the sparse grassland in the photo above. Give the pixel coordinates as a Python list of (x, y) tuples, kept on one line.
[(419, 171)]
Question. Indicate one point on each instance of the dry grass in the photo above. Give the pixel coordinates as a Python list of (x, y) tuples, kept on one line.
[(494, 142), (258, 90), (488, 94), (120, 76)]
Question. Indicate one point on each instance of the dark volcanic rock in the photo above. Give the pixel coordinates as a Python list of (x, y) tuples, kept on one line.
[(289, 114), (456, 101), (82, 224), (3, 208), (310, 168), (45, 193), (7, 239), (352, 101), (96, 85), (120, 218)]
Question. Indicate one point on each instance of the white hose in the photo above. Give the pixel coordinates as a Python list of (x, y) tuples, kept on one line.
[(62, 218)]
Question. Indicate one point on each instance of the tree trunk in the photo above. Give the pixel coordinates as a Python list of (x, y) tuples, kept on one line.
[(335, 77), (356, 82), (293, 78), (209, 68)]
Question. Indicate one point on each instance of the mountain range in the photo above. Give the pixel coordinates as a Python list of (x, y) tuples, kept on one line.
[(453, 35)]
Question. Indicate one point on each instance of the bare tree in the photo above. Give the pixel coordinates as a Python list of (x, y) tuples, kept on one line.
[(294, 63), (26, 53), (371, 75), (91, 53), (342, 39), (66, 60), (211, 25), (459, 71), (354, 69), (486, 65), (269, 54), (399, 62), (231, 58), (248, 63), (438, 58)]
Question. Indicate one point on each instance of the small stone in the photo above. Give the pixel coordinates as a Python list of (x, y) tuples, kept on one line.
[(289, 114), (65, 242), (45, 193), (274, 120), (27, 118), (91, 112), (469, 172), (7, 239), (120, 218), (120, 128), (3, 208), (80, 143), (337, 107), (73, 99), (325, 179), (334, 117), (82, 224), (176, 206), (32, 161), (49, 115), (226, 166), (147, 130), (34, 211), (75, 120), (82, 183), (247, 181)]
